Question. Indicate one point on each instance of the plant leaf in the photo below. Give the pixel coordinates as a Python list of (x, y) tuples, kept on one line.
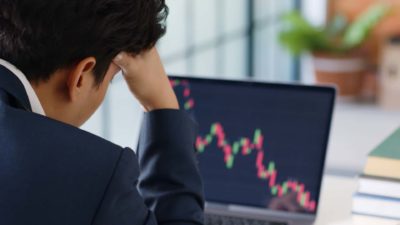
[(337, 26), (300, 36), (364, 24)]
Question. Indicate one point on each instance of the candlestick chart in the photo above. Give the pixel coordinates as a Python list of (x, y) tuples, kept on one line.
[(254, 146)]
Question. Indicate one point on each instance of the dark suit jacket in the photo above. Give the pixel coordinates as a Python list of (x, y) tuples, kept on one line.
[(54, 174)]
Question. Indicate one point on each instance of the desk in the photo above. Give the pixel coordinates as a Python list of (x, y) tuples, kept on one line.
[(336, 199), (357, 129)]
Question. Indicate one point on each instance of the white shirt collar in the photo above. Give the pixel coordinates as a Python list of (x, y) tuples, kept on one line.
[(33, 98)]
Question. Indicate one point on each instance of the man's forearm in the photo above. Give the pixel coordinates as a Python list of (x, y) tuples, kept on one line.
[(169, 181)]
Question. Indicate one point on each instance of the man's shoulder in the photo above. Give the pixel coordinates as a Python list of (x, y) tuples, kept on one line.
[(43, 133), (54, 165)]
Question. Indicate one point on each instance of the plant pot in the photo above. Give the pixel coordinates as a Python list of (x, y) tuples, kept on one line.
[(346, 73)]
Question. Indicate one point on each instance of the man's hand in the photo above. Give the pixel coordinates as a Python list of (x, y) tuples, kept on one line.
[(147, 80)]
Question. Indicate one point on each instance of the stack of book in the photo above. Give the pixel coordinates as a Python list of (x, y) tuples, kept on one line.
[(377, 201)]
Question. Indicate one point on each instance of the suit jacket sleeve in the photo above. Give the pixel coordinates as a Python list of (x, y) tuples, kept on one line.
[(165, 186)]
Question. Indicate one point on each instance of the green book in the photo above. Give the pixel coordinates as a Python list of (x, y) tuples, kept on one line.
[(384, 161), (390, 148)]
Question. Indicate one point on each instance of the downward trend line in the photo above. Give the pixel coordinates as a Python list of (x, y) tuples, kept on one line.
[(245, 147)]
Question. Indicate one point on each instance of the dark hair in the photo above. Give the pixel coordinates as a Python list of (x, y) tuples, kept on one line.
[(42, 36)]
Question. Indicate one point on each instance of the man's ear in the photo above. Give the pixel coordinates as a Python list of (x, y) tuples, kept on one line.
[(80, 77)]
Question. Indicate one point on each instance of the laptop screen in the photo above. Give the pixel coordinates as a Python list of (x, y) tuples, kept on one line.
[(260, 145)]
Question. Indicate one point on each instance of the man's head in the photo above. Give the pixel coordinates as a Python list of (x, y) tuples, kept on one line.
[(66, 47)]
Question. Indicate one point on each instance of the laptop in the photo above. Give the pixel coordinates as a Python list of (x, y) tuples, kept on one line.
[(261, 148)]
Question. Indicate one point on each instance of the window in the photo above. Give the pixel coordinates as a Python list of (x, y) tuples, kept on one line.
[(227, 38)]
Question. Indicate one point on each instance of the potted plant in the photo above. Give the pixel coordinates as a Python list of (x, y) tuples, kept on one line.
[(336, 47)]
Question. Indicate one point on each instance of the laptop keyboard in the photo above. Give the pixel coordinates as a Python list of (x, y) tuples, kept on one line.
[(211, 219)]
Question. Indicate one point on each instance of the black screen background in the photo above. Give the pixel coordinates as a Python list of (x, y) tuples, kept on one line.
[(295, 122)]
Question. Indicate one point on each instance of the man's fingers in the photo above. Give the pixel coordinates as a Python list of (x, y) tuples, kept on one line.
[(121, 60)]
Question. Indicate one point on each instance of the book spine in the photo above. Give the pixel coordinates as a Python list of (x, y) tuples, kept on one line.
[(379, 187), (359, 219), (376, 206)]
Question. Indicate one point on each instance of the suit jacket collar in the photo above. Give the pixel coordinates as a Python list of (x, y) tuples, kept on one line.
[(13, 86)]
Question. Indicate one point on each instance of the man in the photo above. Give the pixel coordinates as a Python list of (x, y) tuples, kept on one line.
[(57, 60)]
